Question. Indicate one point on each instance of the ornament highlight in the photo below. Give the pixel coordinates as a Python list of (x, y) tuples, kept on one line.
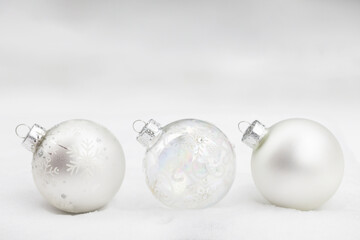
[(296, 163), (188, 163), (78, 165)]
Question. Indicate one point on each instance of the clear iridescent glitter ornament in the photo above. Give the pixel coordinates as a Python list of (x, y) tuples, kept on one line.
[(188, 163), (78, 165)]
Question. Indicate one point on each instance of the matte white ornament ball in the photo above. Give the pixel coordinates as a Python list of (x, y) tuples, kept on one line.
[(296, 163), (78, 165), (188, 163)]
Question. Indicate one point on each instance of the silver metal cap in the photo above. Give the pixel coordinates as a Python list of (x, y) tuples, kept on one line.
[(149, 131), (33, 137), (254, 134)]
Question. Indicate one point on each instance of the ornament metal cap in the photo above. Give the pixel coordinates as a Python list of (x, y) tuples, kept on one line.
[(148, 132), (33, 137), (254, 133)]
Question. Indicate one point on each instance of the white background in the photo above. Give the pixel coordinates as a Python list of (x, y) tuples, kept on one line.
[(222, 61)]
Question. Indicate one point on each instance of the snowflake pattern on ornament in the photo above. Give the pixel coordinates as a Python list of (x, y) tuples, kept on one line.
[(45, 166), (85, 159)]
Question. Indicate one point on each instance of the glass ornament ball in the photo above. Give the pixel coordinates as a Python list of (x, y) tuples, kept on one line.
[(296, 163), (78, 165), (188, 163)]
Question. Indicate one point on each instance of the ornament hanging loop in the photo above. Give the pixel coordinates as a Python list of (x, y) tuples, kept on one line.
[(254, 133), (245, 125), (138, 125), (148, 132), (22, 125), (32, 137)]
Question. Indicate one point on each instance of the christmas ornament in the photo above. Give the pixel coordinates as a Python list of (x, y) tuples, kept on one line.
[(188, 163), (296, 163), (78, 165)]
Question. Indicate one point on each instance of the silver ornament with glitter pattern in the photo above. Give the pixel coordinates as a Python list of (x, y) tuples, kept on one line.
[(188, 163), (296, 163), (78, 165)]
